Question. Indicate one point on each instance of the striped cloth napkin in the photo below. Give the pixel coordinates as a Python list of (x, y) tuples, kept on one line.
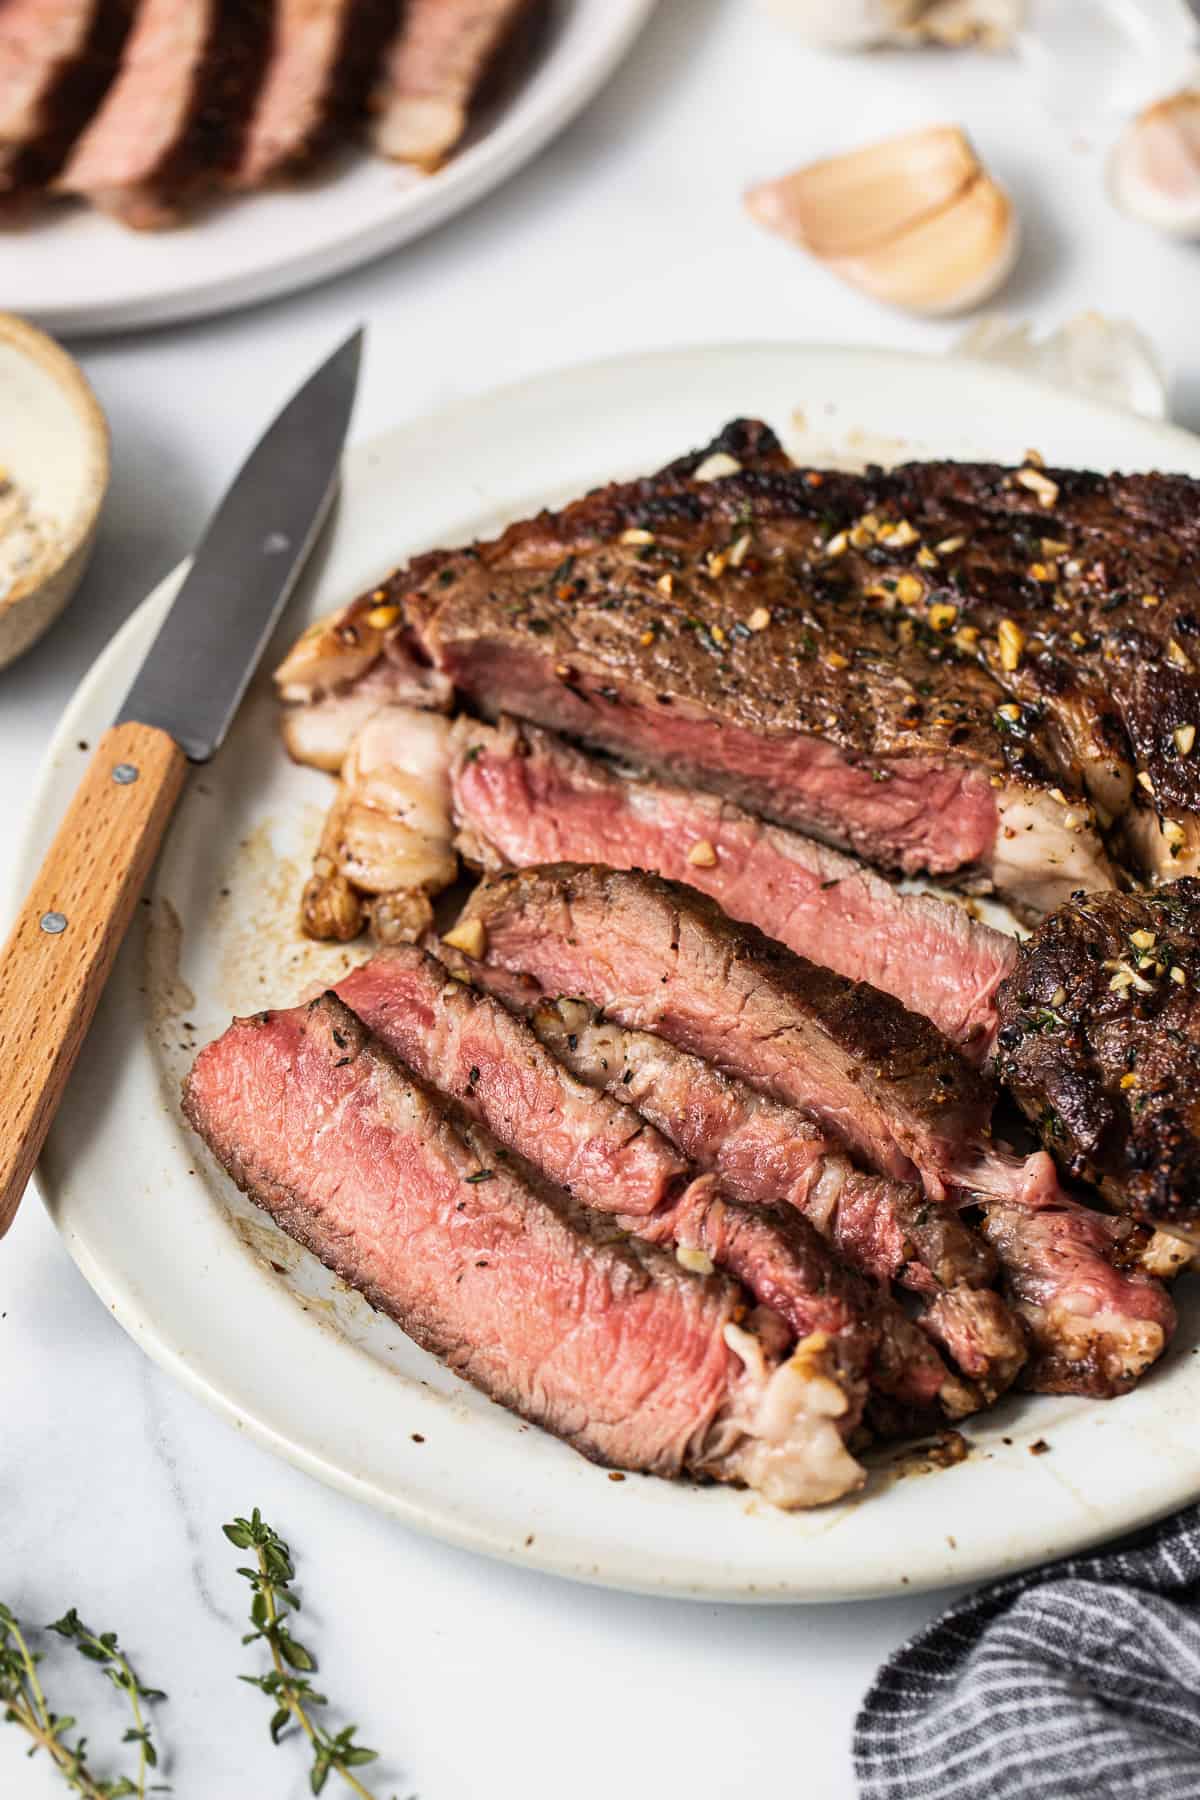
[(1077, 1681)]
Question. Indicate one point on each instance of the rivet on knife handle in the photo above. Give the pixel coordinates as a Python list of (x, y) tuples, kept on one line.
[(65, 941)]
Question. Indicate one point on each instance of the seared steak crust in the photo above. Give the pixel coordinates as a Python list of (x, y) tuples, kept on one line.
[(1100, 1043)]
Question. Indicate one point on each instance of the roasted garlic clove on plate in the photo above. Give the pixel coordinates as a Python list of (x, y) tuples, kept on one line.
[(916, 220), (1154, 169)]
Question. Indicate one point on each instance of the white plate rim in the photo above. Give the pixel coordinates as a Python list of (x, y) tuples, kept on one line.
[(570, 77), (563, 1554)]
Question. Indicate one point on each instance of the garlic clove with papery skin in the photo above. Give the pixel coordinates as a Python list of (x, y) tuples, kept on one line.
[(916, 220), (1154, 169)]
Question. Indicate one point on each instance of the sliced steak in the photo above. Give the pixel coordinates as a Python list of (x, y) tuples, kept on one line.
[(764, 1152), (467, 1045), (792, 640), (57, 57), (440, 60), (605, 1153), (659, 956), (1095, 1325), (1053, 1271), (1100, 1043), (323, 59), (523, 796), (174, 121), (631, 1359)]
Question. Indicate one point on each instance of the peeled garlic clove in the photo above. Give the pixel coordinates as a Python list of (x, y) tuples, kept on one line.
[(916, 221), (844, 204), (1154, 170), (946, 263)]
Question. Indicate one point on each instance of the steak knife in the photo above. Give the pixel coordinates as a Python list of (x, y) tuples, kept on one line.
[(65, 941)]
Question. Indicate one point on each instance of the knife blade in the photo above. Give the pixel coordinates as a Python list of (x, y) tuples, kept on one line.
[(65, 941), (259, 539)]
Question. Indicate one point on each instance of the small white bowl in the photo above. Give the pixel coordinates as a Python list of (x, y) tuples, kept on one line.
[(54, 449)]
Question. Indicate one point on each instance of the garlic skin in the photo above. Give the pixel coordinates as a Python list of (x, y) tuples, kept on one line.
[(1154, 168), (1108, 359), (916, 221), (868, 24)]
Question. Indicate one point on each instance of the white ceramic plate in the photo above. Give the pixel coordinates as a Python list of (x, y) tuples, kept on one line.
[(218, 1296), (76, 271)]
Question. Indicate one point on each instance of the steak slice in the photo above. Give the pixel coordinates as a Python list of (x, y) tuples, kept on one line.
[(631, 1359), (323, 59), (56, 59), (1100, 1044), (661, 957), (1095, 1325), (1073, 1276), (522, 796), (174, 121), (606, 1155), (790, 639), (979, 1329), (439, 62)]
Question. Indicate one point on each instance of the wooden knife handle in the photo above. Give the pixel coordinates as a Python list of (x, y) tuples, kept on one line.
[(63, 946)]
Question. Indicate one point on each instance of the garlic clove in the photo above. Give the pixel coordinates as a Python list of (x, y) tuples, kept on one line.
[(916, 221), (946, 263), (1154, 169), (844, 204)]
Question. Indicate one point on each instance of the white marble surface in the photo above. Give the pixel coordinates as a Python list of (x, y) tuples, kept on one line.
[(477, 1679)]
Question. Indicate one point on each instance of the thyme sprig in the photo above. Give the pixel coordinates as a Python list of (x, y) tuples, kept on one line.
[(24, 1700), (287, 1683)]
